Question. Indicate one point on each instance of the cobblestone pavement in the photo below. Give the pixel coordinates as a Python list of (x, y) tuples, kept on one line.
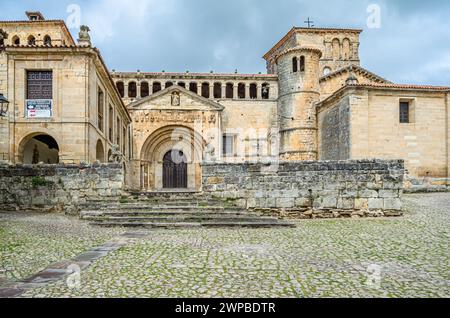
[(398, 257)]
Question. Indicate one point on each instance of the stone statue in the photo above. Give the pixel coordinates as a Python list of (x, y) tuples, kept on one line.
[(116, 155), (175, 99), (210, 152), (84, 33), (83, 36)]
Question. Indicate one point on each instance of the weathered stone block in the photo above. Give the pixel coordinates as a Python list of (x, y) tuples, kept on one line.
[(376, 204)]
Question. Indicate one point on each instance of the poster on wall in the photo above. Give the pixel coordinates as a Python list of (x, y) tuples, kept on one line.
[(39, 108)]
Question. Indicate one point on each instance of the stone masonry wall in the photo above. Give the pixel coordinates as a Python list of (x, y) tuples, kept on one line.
[(57, 188), (310, 189)]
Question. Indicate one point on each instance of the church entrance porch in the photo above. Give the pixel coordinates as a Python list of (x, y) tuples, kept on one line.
[(170, 160)]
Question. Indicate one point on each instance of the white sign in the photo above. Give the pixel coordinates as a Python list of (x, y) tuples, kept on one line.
[(39, 108)]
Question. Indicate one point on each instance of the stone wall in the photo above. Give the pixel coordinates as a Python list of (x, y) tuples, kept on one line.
[(310, 189), (334, 132), (57, 188)]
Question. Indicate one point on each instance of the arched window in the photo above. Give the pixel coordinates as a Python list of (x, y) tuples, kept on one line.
[(205, 90), (241, 90), (265, 91), (253, 91), (144, 89), (47, 40), (346, 49), (217, 90), (302, 63), (182, 84), (295, 65), (121, 88), (336, 49), (169, 84), (193, 87), (156, 87), (100, 109), (31, 40), (132, 90), (230, 90), (16, 40)]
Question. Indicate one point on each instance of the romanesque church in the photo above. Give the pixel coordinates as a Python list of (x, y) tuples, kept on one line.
[(314, 102)]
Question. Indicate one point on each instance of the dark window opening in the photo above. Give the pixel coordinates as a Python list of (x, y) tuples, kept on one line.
[(31, 40), (47, 40), (156, 87), (217, 90), (39, 85), (265, 91), (295, 65), (169, 84), (132, 90), (241, 91), (302, 64), (144, 89), (230, 90), (121, 88), (182, 84), (404, 113), (100, 108), (253, 91), (193, 87), (205, 90), (110, 123)]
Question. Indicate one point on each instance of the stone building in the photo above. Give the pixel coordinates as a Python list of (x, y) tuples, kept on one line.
[(315, 102), (64, 106)]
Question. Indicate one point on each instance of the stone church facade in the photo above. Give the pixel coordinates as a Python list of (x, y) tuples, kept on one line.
[(314, 103)]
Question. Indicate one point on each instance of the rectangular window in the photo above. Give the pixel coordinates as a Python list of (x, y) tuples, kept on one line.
[(228, 145), (39, 85), (110, 123), (118, 132), (404, 112), (124, 138), (100, 108)]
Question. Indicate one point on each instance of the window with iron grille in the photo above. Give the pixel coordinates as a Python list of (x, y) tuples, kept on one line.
[(39, 85), (404, 112)]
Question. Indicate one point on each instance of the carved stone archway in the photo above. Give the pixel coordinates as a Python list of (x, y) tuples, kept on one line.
[(163, 141)]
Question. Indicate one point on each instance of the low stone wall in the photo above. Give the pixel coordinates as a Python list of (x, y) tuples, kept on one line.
[(57, 188), (310, 189), (426, 184)]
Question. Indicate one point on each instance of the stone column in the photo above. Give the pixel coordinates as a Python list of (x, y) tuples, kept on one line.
[(211, 90), (224, 90), (259, 91), (247, 90), (235, 90), (150, 88), (138, 90), (125, 85)]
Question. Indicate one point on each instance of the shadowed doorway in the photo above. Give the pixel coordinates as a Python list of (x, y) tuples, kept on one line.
[(175, 170)]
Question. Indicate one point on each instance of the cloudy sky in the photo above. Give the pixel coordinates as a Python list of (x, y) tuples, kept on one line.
[(412, 44)]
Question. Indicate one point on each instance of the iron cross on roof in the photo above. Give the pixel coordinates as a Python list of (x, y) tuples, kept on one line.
[(310, 23)]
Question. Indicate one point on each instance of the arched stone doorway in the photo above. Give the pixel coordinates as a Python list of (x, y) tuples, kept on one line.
[(39, 148), (171, 158), (175, 170), (100, 152)]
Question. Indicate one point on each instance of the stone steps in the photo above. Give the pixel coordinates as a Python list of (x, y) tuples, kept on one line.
[(173, 210), (221, 224)]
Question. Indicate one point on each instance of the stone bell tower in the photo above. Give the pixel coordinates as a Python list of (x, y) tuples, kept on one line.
[(298, 71)]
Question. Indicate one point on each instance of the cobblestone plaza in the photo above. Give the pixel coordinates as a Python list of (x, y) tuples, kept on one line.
[(400, 257)]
